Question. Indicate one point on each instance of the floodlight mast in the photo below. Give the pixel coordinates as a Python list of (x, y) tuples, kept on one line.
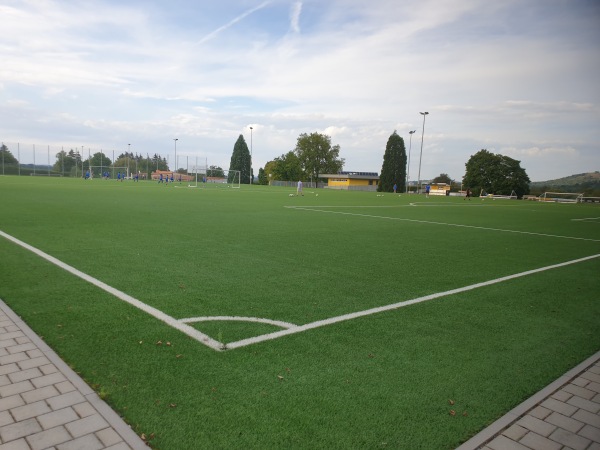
[(250, 155), (408, 165), (421, 156), (175, 140)]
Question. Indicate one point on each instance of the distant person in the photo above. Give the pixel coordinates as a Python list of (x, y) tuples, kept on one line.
[(118, 176), (299, 189), (427, 189), (160, 180), (395, 187), (87, 174), (468, 194)]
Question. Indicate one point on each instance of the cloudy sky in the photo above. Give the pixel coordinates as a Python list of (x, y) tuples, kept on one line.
[(516, 77)]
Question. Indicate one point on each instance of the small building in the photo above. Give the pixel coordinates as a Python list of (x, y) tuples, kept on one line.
[(352, 181)]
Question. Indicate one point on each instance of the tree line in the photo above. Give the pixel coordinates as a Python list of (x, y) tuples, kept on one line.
[(313, 156)]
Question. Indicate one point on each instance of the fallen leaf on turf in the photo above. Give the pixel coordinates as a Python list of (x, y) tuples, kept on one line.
[(168, 344), (178, 356), (371, 355), (451, 402), (159, 343), (465, 414), (141, 342), (143, 436), (280, 377), (172, 405), (452, 412)]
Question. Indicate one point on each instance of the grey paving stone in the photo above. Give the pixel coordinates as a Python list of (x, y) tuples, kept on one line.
[(9, 368), (48, 438), (22, 340), (561, 395), (119, 446), (84, 409), (108, 437), (3, 352), (581, 403), (40, 394), (11, 402), (593, 386), (568, 423), (537, 442), (515, 432), (570, 439), (563, 408), (19, 429), (21, 348), (26, 374), (5, 418), (15, 388), (7, 343), (34, 362), (579, 391), (536, 425), (87, 442), (4, 380), (595, 377), (14, 334), (64, 400), (587, 417), (504, 443), (13, 358), (30, 410), (48, 369), (64, 387), (590, 432), (55, 418), (86, 425), (35, 353), (19, 444), (47, 380)]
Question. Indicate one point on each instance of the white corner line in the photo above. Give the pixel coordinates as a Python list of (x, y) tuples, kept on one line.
[(190, 331), (342, 318), (277, 323)]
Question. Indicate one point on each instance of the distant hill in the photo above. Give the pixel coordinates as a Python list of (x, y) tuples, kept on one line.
[(580, 178), (588, 183)]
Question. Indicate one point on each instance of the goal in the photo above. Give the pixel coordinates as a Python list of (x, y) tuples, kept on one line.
[(561, 197), (512, 196), (220, 178)]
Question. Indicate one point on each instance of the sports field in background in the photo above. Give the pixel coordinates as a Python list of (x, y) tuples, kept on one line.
[(215, 317)]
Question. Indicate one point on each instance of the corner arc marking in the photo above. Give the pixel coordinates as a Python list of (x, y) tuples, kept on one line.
[(277, 323)]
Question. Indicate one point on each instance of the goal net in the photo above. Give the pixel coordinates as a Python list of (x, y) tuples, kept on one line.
[(512, 196), (560, 197), (220, 178)]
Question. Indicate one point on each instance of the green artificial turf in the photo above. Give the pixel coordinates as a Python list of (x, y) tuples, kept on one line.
[(381, 381)]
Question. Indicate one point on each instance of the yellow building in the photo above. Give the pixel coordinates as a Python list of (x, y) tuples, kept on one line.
[(352, 181)]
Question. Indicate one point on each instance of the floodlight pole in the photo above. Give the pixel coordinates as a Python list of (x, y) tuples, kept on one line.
[(175, 140), (408, 165), (251, 155), (420, 157), (128, 153)]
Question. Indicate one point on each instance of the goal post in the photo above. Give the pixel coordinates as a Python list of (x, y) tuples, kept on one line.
[(561, 197), (512, 196)]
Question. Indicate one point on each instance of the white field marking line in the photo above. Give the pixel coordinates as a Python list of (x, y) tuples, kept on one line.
[(277, 323), (586, 219), (367, 312), (171, 321), (531, 233)]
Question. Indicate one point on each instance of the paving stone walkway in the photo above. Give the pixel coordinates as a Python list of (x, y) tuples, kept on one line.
[(563, 416), (44, 404)]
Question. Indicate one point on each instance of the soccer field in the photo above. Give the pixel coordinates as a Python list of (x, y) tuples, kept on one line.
[(215, 317)]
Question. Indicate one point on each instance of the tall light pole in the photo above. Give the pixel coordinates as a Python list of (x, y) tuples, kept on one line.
[(408, 166), (251, 154), (128, 153), (175, 140), (420, 157)]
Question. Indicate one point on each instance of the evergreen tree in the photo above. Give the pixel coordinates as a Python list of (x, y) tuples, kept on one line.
[(240, 160), (393, 170), (6, 157)]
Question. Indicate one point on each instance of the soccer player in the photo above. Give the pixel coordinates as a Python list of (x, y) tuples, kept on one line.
[(299, 189), (468, 194), (427, 189)]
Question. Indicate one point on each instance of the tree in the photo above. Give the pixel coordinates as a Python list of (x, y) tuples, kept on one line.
[(262, 177), (442, 178), (286, 167), (495, 174), (393, 170), (6, 157), (216, 171), (240, 160), (317, 155)]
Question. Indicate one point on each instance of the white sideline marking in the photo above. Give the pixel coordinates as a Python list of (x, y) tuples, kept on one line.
[(587, 218), (355, 315), (277, 323), (430, 222), (190, 331)]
